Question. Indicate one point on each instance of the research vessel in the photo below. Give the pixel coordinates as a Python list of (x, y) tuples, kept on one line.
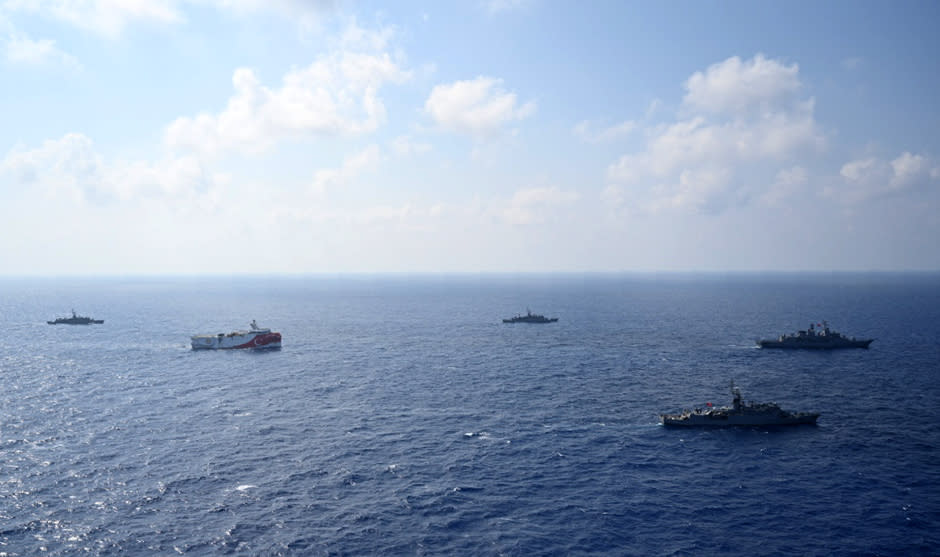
[(255, 337)]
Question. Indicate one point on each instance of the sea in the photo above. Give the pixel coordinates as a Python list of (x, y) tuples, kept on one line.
[(403, 417)]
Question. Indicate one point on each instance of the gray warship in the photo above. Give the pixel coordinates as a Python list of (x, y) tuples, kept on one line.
[(739, 414), (815, 339), (530, 317), (75, 320)]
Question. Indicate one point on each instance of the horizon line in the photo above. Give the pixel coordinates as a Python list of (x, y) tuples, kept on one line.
[(425, 273)]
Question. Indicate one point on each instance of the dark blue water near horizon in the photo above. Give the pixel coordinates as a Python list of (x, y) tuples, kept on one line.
[(402, 417)]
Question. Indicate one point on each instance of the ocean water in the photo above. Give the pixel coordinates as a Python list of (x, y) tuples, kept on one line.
[(402, 417)]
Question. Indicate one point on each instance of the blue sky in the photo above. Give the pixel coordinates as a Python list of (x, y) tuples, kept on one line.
[(289, 136)]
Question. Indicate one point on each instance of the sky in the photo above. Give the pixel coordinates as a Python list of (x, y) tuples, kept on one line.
[(142, 137)]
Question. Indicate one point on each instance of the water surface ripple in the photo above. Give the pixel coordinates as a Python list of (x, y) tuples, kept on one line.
[(402, 417)]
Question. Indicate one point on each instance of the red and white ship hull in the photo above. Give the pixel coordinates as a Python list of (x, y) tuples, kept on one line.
[(255, 338)]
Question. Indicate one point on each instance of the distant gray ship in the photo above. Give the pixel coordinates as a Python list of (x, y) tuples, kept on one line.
[(739, 414), (813, 338), (75, 320), (530, 317)]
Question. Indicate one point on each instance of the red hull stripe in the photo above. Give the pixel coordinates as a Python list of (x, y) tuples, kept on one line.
[(261, 341)]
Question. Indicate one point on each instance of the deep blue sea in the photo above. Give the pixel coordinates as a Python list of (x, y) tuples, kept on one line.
[(402, 417)]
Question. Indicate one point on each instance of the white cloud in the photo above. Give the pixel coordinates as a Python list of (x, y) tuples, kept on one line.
[(742, 119), (352, 167), (734, 86), (534, 205), (169, 178), (371, 215), (655, 106), (787, 183), (20, 49), (336, 95), (907, 168), (675, 147), (477, 107), (855, 171), (405, 145), (409, 216), (104, 17), (543, 196), (613, 194), (289, 7), (584, 131), (853, 63), (359, 38), (71, 167), (704, 189), (862, 179), (872, 177), (110, 18)]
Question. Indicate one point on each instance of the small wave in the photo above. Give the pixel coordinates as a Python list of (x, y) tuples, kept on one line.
[(466, 489)]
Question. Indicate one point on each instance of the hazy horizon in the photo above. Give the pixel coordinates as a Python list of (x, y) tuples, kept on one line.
[(483, 275)]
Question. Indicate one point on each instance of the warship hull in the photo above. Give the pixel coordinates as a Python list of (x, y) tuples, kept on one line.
[(525, 319), (75, 319), (703, 420), (530, 317), (797, 344), (815, 339)]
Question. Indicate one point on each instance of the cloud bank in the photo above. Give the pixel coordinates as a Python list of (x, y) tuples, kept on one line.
[(71, 168), (740, 120), (336, 95)]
